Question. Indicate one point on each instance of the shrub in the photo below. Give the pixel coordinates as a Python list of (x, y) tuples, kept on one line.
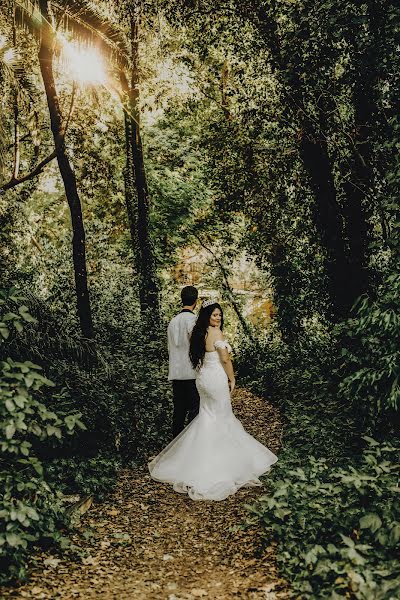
[(337, 530), (90, 476), (300, 379), (122, 393), (370, 369), (30, 509)]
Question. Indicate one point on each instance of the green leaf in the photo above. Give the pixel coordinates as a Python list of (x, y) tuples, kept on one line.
[(13, 539), (51, 430), (394, 535), (38, 467), (370, 440), (32, 365), (10, 405), (5, 332), (348, 541), (10, 430), (19, 400), (10, 316), (370, 521), (70, 422), (18, 326)]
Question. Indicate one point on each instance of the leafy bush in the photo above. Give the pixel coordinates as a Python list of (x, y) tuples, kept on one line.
[(371, 356), (90, 476), (122, 395), (335, 517), (337, 530), (30, 509), (300, 379)]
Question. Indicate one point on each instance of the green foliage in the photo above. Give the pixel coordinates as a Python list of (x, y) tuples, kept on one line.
[(13, 319), (337, 529), (30, 510), (234, 96), (371, 354), (88, 477), (125, 400), (299, 378)]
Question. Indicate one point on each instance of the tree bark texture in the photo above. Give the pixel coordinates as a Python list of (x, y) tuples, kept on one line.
[(328, 220), (136, 189), (46, 53)]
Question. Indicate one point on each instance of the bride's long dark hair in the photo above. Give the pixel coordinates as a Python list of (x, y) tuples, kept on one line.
[(198, 338)]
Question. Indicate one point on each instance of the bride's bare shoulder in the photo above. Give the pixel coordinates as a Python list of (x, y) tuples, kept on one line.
[(214, 333)]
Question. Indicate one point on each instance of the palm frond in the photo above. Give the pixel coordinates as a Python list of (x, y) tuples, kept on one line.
[(83, 21), (13, 69), (13, 73), (8, 56), (28, 17), (26, 84)]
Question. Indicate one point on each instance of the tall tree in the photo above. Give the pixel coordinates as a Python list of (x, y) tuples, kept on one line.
[(309, 116), (46, 58), (85, 22), (370, 127), (302, 44), (136, 188)]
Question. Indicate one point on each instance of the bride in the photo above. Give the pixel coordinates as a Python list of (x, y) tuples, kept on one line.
[(213, 456)]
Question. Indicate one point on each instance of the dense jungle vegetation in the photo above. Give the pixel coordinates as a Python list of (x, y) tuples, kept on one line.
[(133, 133)]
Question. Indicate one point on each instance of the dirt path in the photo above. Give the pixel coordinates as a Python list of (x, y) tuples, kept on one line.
[(148, 542)]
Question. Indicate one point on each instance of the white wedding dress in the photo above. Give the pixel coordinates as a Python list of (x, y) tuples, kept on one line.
[(213, 456)]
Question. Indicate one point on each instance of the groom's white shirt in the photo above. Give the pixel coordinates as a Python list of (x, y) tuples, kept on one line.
[(179, 331)]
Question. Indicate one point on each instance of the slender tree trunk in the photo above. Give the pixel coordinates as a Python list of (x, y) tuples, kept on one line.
[(224, 90), (358, 233), (130, 188), (17, 151), (136, 189), (68, 176)]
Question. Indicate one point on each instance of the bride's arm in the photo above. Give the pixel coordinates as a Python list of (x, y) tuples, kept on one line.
[(228, 367), (226, 362)]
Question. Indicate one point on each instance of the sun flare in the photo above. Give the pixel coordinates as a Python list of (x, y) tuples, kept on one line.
[(84, 65)]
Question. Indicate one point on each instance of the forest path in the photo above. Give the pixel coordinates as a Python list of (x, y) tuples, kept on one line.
[(148, 542)]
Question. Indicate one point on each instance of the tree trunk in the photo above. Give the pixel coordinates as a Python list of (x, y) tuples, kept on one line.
[(66, 171), (328, 221), (136, 190), (368, 126), (130, 188)]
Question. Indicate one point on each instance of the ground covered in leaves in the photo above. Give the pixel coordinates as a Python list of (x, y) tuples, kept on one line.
[(148, 542)]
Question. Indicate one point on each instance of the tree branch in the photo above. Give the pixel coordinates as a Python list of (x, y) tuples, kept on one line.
[(38, 169), (227, 286), (14, 181)]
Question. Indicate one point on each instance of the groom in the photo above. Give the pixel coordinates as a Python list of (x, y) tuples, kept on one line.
[(181, 372)]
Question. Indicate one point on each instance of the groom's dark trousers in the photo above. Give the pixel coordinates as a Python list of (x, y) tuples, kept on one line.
[(186, 403)]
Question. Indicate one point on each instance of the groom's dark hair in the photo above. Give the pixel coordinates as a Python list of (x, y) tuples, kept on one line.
[(189, 295)]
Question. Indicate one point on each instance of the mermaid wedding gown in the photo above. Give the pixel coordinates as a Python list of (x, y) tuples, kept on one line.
[(213, 456)]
